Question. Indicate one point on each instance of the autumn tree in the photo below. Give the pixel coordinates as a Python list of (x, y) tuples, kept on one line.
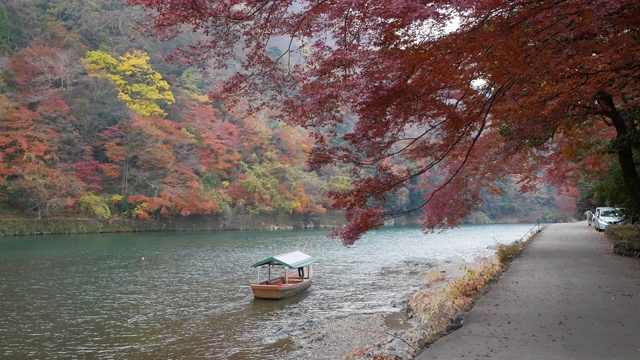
[(146, 160), (45, 191), (20, 140), (139, 86), (274, 187), (39, 71), (31, 174), (516, 88), (215, 139), (40, 77)]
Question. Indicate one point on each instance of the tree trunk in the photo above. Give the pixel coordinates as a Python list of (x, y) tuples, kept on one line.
[(630, 174), (624, 148)]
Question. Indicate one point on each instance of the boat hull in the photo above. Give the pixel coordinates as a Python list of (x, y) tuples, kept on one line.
[(278, 291), (279, 288)]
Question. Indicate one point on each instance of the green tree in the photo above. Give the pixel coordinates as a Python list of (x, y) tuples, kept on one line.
[(5, 32), (611, 191)]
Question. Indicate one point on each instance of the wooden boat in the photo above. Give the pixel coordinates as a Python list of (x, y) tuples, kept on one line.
[(286, 284)]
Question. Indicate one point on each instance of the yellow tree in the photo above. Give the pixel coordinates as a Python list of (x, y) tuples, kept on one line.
[(139, 86)]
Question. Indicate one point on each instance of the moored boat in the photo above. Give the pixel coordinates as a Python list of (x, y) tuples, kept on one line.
[(285, 284)]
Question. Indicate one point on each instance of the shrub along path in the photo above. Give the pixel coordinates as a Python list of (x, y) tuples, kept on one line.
[(566, 297)]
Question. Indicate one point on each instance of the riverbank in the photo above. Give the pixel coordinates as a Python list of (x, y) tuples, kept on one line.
[(450, 289), (19, 226), (16, 226), (394, 335)]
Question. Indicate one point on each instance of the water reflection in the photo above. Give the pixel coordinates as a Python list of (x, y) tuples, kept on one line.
[(262, 306)]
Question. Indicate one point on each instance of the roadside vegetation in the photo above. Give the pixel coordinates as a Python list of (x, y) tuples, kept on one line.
[(441, 307), (626, 239)]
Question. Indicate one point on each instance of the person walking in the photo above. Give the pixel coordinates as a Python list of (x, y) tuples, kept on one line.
[(589, 215)]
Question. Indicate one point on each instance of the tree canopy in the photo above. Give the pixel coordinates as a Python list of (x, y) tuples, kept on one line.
[(477, 90), (94, 122)]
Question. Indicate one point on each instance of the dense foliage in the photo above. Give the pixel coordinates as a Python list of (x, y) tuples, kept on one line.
[(93, 126), (523, 90), (95, 123)]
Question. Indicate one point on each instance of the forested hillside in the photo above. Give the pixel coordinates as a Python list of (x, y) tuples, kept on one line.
[(95, 123)]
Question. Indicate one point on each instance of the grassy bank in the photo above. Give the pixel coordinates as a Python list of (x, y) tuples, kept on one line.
[(440, 306), (626, 239)]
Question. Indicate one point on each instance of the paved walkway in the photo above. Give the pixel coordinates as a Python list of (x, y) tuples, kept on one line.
[(567, 297)]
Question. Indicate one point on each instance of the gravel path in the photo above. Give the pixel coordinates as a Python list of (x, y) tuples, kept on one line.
[(566, 297)]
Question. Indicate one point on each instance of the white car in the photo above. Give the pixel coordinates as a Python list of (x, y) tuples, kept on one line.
[(595, 215), (606, 216)]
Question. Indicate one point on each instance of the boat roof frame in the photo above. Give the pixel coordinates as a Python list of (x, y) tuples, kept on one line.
[(292, 260)]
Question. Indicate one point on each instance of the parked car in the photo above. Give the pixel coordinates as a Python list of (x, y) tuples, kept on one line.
[(596, 213), (606, 216)]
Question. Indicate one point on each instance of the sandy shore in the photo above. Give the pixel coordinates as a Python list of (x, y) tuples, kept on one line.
[(352, 337)]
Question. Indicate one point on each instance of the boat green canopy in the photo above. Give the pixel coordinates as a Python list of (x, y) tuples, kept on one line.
[(293, 260)]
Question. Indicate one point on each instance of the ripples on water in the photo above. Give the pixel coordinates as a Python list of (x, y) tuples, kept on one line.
[(185, 295)]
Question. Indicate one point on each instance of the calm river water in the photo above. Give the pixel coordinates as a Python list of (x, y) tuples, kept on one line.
[(186, 295)]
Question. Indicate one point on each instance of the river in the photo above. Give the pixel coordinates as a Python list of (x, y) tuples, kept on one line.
[(185, 295)]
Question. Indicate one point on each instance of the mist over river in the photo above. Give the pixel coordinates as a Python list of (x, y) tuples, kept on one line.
[(185, 295)]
